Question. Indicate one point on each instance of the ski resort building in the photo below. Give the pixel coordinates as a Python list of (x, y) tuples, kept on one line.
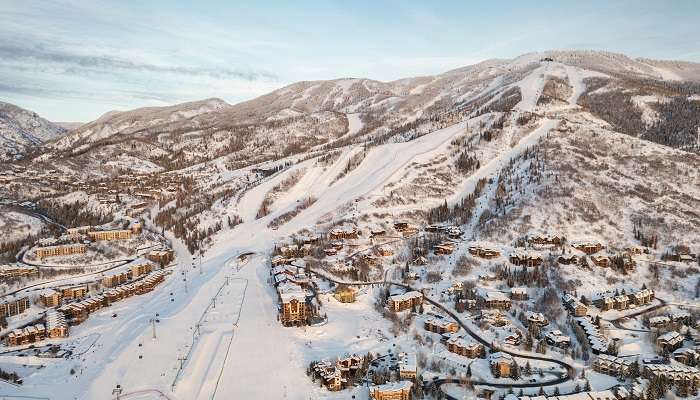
[(50, 298), (670, 341), (28, 335), (463, 347), (494, 299), (575, 307), (440, 325), (526, 258), (501, 362), (405, 301), (60, 250), (117, 234), (56, 326), (588, 247), (13, 306), (392, 391), (484, 252), (295, 307), (611, 365)]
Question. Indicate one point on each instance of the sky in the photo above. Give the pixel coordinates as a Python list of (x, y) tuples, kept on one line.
[(75, 60)]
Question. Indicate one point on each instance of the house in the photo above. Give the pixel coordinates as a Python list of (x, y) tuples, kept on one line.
[(408, 366), (13, 306), (558, 339), (588, 247), (484, 252), (612, 365), (493, 299), (377, 232), (526, 258), (345, 294), (50, 298), (501, 362), (463, 347), (659, 321), (392, 391), (440, 325), (514, 339), (494, 317), (344, 233), (444, 248), (116, 234), (385, 251), (330, 375), (545, 240), (536, 319), (405, 301), (518, 293), (601, 260), (60, 250), (568, 260), (331, 251), (670, 341), (348, 363)]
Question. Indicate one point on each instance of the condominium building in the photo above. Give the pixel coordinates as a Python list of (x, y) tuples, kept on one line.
[(13, 306), (60, 250), (117, 234), (50, 298), (392, 391), (405, 301), (56, 325)]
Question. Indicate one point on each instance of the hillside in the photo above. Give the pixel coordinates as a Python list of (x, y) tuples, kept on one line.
[(22, 130)]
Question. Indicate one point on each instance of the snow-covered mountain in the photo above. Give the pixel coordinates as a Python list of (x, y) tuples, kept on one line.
[(22, 130), (190, 132)]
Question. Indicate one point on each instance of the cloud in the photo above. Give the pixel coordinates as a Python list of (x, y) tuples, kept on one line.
[(74, 61)]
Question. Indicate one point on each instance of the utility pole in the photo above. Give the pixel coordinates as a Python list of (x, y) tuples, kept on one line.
[(153, 323)]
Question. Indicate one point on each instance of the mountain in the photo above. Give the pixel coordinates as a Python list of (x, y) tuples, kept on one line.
[(309, 114), (22, 130), (587, 143)]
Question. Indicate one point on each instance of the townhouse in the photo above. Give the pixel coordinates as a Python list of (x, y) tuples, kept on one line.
[(670, 341), (612, 365)]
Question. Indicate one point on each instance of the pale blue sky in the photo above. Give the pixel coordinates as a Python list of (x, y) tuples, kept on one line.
[(74, 60)]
